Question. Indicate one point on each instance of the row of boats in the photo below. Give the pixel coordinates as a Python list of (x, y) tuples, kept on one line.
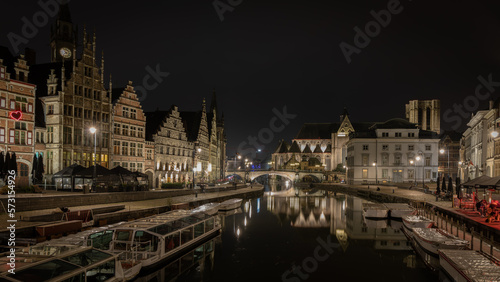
[(442, 250), (121, 251), (438, 248)]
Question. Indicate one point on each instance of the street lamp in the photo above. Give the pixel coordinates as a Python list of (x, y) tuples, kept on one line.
[(376, 172), (93, 130), (418, 159), (448, 152), (414, 171), (194, 166)]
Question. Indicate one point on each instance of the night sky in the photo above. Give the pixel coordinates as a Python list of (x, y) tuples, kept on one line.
[(272, 54)]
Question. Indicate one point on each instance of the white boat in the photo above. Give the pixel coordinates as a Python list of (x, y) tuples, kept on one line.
[(415, 221), (432, 239), (230, 204), (469, 265), (58, 262), (155, 239), (374, 210), (210, 208), (398, 210)]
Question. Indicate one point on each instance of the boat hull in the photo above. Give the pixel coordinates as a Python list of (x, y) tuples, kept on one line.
[(230, 205)]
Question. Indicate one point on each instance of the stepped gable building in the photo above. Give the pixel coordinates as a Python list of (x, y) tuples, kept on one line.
[(129, 124), (218, 139), (74, 98), (173, 151), (393, 151), (425, 113), (17, 113)]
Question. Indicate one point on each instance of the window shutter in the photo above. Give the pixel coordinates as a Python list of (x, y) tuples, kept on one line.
[(30, 108), (2, 102), (12, 104)]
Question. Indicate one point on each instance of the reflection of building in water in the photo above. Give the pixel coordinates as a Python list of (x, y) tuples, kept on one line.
[(386, 238), (201, 258), (309, 212)]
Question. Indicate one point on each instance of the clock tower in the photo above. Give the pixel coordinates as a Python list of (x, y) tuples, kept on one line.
[(62, 35)]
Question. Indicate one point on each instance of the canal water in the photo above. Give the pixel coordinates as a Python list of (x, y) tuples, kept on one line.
[(300, 236)]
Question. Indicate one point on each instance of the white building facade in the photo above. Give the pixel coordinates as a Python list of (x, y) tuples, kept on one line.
[(395, 151)]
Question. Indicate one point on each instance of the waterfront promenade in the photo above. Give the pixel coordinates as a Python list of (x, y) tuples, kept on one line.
[(210, 194)]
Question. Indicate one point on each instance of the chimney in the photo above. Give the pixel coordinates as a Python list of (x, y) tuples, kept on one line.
[(491, 104)]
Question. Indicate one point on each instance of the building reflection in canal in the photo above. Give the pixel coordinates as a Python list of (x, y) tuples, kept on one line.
[(270, 234)]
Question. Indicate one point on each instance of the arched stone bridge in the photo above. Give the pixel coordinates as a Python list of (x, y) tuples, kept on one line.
[(290, 174)]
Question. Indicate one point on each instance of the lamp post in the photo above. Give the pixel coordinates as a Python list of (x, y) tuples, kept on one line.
[(418, 159), (414, 171), (376, 172), (93, 130), (448, 152), (194, 164)]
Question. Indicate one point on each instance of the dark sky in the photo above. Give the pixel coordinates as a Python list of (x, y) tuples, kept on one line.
[(272, 54)]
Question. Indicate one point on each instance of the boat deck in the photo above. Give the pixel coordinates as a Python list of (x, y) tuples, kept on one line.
[(472, 265)]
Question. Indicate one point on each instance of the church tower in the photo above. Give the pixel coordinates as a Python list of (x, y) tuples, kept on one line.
[(62, 35)]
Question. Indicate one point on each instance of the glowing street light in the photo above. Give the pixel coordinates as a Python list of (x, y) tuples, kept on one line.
[(93, 130)]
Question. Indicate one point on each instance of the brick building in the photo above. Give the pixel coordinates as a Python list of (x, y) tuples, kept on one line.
[(129, 123), (17, 113)]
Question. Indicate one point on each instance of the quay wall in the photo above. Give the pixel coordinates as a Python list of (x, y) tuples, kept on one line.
[(42, 202)]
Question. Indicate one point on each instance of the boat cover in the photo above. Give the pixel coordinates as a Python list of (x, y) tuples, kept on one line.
[(435, 236), (416, 218), (473, 264)]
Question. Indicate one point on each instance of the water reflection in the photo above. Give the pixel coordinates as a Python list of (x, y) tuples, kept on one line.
[(270, 234)]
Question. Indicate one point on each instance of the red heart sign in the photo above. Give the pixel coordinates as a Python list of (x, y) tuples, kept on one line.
[(16, 115)]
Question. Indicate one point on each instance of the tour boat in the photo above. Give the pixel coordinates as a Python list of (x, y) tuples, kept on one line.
[(415, 221), (373, 210), (432, 239), (230, 204), (398, 210), (64, 263), (469, 265), (154, 239), (210, 208)]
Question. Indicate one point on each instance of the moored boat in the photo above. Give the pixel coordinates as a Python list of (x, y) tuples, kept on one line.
[(433, 239), (155, 239), (210, 208), (398, 210), (469, 265), (415, 221), (58, 262), (230, 204), (374, 210)]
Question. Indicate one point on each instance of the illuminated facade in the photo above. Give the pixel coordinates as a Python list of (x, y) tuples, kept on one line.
[(17, 114), (129, 125), (74, 99)]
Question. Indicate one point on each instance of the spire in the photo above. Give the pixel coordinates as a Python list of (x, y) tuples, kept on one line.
[(84, 35), (344, 114), (64, 14), (102, 66), (213, 104)]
